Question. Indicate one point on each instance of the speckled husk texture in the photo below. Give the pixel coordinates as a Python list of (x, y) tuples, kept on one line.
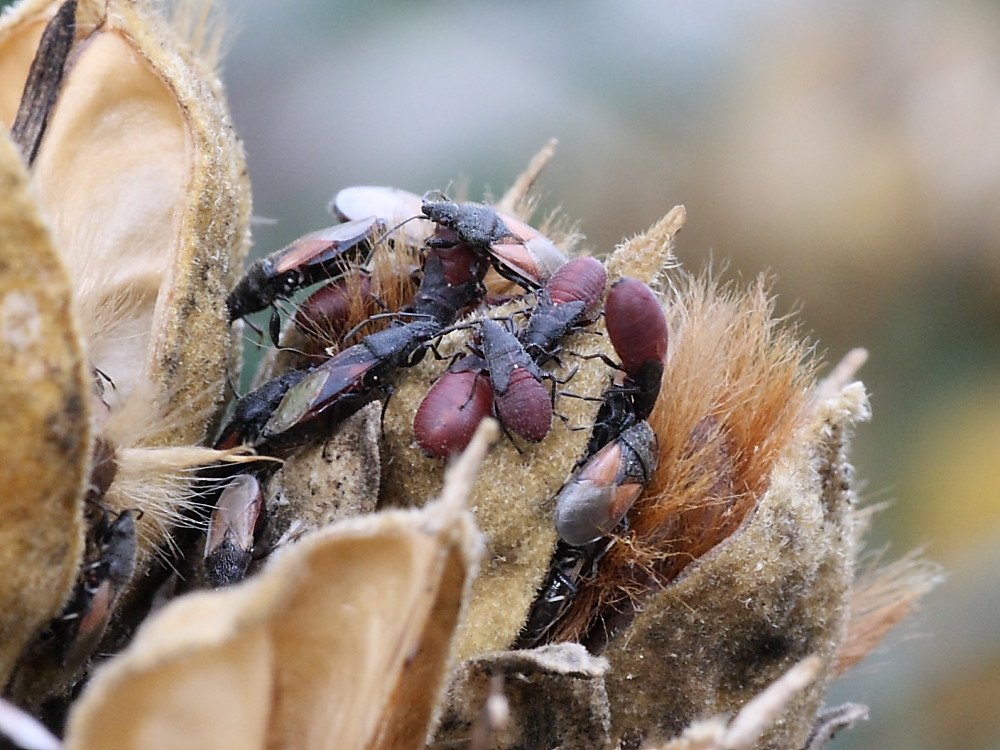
[(140, 188), (45, 431), (775, 592)]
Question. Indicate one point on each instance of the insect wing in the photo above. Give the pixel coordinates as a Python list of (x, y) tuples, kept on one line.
[(321, 389), (342, 244), (392, 205)]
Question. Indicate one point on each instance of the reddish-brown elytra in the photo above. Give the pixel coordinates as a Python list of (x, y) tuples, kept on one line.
[(523, 403), (236, 520), (571, 298), (319, 256), (451, 411), (522, 255), (603, 490), (636, 324)]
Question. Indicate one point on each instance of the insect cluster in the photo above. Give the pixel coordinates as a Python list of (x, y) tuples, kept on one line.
[(650, 541), (503, 370)]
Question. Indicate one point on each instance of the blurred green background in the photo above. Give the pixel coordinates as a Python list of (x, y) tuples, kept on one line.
[(851, 149)]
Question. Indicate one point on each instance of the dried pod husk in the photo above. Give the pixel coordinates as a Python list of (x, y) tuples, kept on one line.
[(142, 180), (45, 434), (332, 479), (551, 697), (772, 593), (513, 499), (342, 641)]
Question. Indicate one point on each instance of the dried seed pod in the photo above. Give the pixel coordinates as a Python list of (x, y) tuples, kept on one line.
[(774, 592), (342, 641), (513, 502), (142, 179), (45, 434)]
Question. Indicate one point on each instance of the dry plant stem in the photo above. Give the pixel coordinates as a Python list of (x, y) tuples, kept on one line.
[(45, 434)]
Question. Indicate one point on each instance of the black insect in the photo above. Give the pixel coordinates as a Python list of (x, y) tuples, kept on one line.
[(326, 254), (517, 251), (96, 595), (235, 524), (569, 567), (254, 410)]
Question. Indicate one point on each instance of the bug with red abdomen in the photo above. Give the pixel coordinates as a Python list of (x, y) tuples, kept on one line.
[(517, 251), (523, 404), (509, 364), (637, 328), (326, 254), (235, 524), (570, 298), (452, 409)]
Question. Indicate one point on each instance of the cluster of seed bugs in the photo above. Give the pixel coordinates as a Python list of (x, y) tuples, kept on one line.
[(501, 372)]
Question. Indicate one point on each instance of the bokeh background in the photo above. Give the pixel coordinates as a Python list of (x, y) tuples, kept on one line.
[(851, 148)]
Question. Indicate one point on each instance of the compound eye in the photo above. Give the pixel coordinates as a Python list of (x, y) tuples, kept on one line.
[(290, 281)]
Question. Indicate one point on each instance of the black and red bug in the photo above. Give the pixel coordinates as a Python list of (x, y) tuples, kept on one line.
[(570, 298), (319, 256), (604, 488), (523, 403), (517, 251), (235, 524), (637, 328)]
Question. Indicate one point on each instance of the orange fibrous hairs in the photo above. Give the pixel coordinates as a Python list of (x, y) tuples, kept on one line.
[(735, 390)]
